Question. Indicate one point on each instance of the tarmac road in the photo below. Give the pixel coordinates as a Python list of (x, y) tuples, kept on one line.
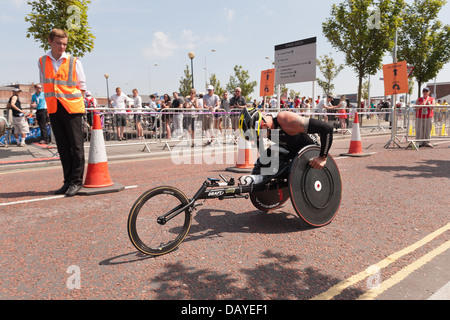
[(393, 221)]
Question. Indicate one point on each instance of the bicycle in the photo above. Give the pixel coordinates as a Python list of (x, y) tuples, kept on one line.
[(160, 218)]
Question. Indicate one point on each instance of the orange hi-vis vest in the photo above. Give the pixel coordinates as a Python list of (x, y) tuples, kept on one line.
[(62, 86)]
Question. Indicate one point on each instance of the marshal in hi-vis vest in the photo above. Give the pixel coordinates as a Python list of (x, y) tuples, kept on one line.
[(62, 86)]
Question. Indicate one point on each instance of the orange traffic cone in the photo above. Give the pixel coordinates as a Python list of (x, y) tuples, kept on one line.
[(244, 162), (355, 149), (98, 179)]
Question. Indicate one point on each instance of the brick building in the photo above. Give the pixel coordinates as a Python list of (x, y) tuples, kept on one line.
[(442, 89), (6, 93), (25, 95)]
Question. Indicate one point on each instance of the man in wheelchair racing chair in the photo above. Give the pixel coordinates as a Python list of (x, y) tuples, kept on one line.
[(294, 133)]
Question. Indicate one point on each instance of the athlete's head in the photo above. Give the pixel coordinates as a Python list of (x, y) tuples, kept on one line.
[(250, 123)]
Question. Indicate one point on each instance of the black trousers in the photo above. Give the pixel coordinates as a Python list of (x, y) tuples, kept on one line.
[(42, 120), (67, 129)]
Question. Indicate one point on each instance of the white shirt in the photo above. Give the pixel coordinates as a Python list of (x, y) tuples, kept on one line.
[(323, 103), (153, 105), (211, 101), (342, 105), (81, 83), (138, 103), (119, 102), (273, 103), (130, 102)]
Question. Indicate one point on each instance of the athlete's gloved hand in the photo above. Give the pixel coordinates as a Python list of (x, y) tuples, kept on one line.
[(318, 162)]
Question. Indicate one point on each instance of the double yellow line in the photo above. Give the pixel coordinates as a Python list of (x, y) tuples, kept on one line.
[(396, 278)]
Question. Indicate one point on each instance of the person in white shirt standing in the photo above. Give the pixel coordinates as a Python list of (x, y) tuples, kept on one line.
[(273, 102), (138, 114), (323, 106), (119, 101), (211, 102)]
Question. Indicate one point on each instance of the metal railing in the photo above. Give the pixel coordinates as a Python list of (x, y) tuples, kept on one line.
[(173, 125), (426, 124)]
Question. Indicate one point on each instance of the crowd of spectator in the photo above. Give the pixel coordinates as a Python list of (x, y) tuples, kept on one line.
[(173, 116)]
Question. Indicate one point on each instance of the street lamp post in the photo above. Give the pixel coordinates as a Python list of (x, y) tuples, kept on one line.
[(191, 56), (107, 89), (149, 80), (206, 72)]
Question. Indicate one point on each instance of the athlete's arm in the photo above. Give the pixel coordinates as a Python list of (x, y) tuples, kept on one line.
[(325, 130), (294, 124)]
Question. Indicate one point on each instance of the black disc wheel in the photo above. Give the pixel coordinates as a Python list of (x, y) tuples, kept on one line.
[(315, 193), (269, 199)]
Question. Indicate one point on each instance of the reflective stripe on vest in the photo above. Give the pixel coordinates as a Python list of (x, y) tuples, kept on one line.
[(64, 90)]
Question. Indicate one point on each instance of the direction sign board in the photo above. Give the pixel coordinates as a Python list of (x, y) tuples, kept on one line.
[(267, 83), (296, 61), (410, 69), (395, 78)]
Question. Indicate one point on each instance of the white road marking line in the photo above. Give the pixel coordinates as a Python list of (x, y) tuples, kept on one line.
[(44, 199)]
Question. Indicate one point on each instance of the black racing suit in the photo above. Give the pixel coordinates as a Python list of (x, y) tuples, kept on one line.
[(289, 146)]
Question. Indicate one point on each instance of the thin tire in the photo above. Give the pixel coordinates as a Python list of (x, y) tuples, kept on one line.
[(151, 237)]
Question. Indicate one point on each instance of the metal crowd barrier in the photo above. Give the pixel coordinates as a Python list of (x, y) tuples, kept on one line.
[(174, 125), (4, 131), (168, 125), (426, 124)]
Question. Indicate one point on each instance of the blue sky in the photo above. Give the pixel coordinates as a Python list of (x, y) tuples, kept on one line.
[(133, 36)]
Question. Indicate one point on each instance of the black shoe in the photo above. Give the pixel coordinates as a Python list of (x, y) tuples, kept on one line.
[(73, 189), (63, 189)]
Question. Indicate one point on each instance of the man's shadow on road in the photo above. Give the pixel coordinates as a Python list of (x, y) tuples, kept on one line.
[(21, 194), (423, 169), (212, 223)]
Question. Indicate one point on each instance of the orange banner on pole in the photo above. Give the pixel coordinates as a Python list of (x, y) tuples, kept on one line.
[(267, 83), (395, 78)]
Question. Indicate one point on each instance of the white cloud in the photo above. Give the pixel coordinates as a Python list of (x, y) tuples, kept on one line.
[(229, 14), (189, 40), (6, 18), (162, 46), (219, 39), (19, 3)]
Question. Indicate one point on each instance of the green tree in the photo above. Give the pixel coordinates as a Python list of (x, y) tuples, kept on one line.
[(423, 40), (365, 90), (185, 83), (216, 84), (330, 71), (283, 89), (68, 15), (241, 79), (364, 30), (293, 94)]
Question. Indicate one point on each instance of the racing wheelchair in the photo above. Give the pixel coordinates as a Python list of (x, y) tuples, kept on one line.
[(160, 218)]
